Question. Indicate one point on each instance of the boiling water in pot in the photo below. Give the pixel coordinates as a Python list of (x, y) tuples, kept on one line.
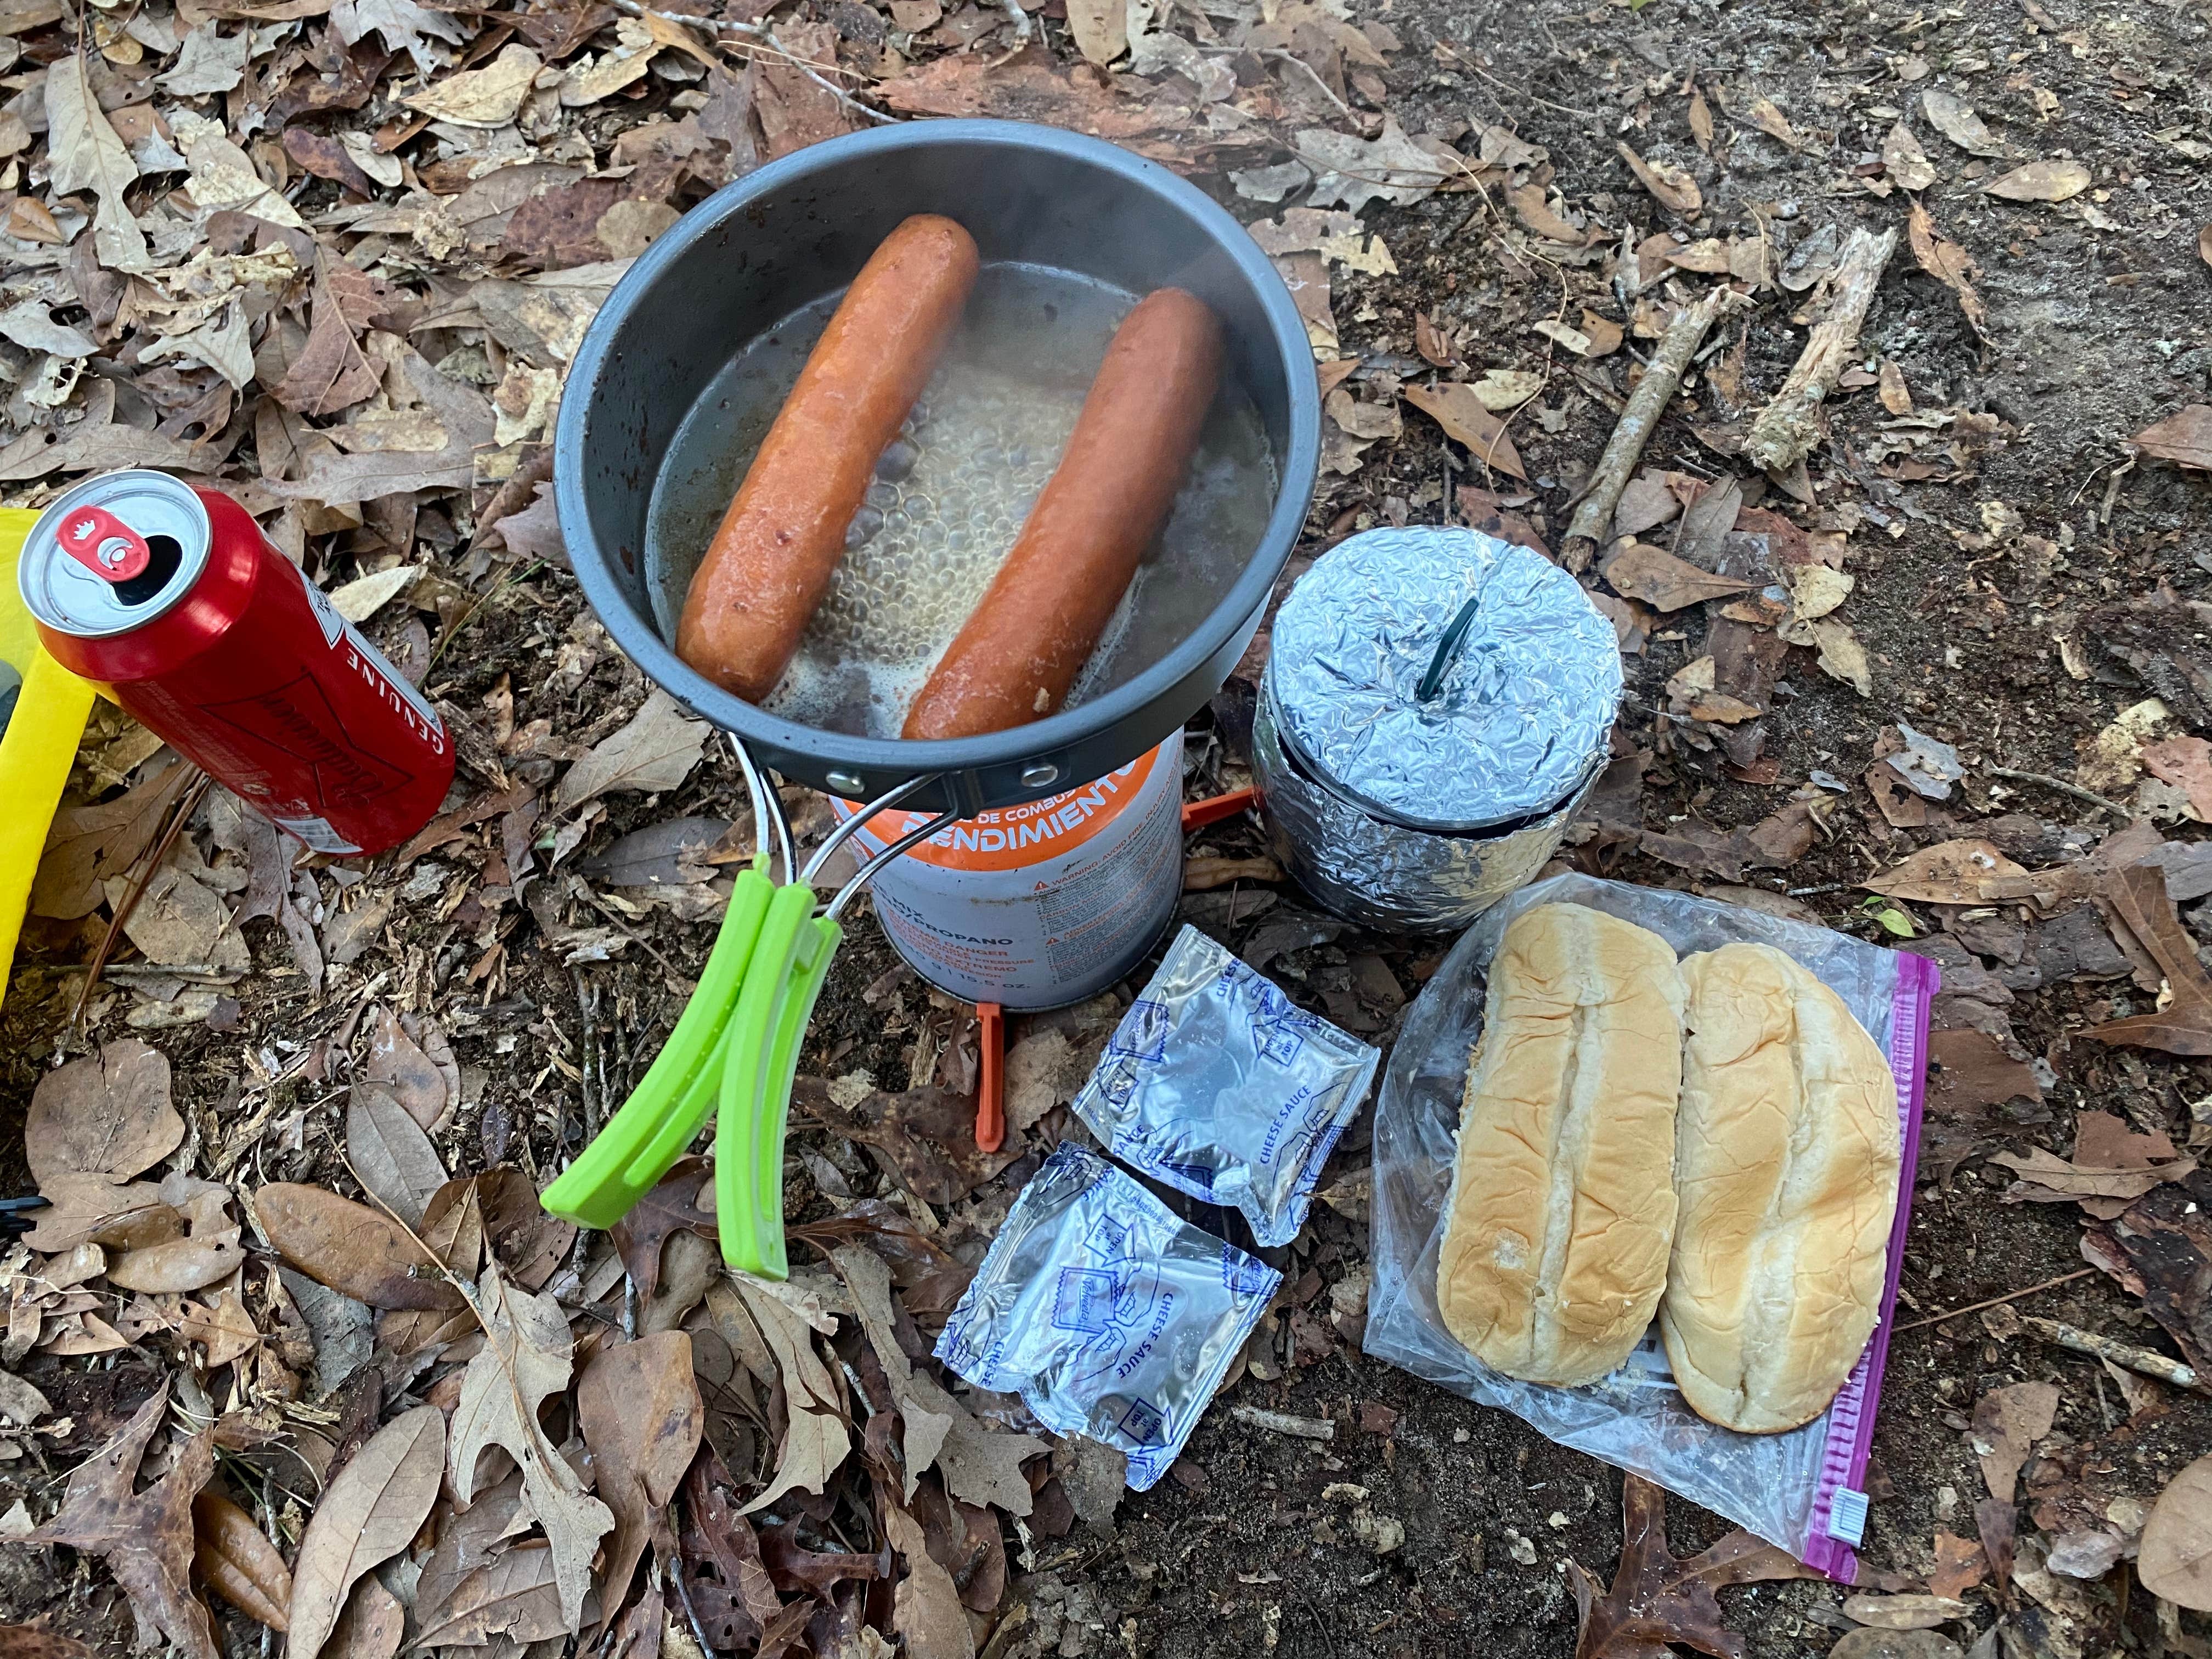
[(951, 495)]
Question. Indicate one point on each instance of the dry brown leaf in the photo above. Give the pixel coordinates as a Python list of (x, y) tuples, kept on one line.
[(929, 1133), (2185, 439), (1430, 341), (1896, 397), (726, 1583), (1905, 1612), (486, 97), (372, 1627), (1671, 186), (329, 373), (392, 1157), (1961, 1563), (2007, 1422), (795, 109), (815, 1438), (2047, 1178), (238, 1563), (1949, 872), (23, 1642), (1101, 28), (1948, 264), (672, 1206), (86, 846), (527, 1354), (1663, 581), (2175, 1564), (653, 752), (1906, 162), (1656, 1598), (353, 1250), (145, 1537), (2138, 898), (1701, 119), (97, 1122), (1605, 336), (2042, 181), (925, 1610), (1387, 168), (1954, 118), (1762, 114), (84, 153), (514, 1596), (226, 1330), (2186, 763), (1968, 1069), (2204, 244), (366, 1516), (1458, 408), (180, 1264), (401, 1054), (639, 1407), (1532, 208), (980, 1465)]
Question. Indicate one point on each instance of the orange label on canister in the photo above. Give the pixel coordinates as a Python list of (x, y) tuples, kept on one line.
[(1040, 905), (1016, 837)]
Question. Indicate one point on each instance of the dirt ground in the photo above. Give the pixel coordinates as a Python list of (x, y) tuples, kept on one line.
[(1256, 1543)]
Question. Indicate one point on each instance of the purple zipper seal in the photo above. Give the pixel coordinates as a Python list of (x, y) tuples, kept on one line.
[(1851, 1419)]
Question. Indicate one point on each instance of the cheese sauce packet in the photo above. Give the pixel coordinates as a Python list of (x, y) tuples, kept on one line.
[(1217, 1084), (1108, 1316)]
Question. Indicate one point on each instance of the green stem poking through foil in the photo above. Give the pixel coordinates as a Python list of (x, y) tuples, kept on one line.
[(1447, 648)]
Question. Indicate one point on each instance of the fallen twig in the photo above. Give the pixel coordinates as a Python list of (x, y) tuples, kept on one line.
[(2062, 787), (1298, 1428), (141, 878), (763, 32), (2120, 1353), (1994, 1301), (1592, 519), (1788, 428)]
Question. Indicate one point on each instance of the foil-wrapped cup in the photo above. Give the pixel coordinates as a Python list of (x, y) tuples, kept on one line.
[(1436, 707)]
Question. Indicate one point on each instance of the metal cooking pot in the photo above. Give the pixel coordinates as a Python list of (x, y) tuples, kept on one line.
[(800, 228)]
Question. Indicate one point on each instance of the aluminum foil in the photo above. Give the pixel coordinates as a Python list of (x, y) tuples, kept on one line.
[(1111, 1317), (1521, 718), (1382, 874), (1217, 1084)]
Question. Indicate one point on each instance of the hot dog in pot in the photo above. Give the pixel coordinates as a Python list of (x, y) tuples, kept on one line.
[(1038, 623), (771, 560)]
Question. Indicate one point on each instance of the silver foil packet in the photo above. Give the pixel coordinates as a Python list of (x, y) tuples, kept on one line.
[(1217, 1084), (1111, 1317)]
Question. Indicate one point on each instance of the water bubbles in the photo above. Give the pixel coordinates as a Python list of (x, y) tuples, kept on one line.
[(897, 460), (949, 498), (864, 524)]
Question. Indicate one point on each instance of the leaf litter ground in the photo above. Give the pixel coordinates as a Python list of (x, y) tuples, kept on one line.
[(336, 258)]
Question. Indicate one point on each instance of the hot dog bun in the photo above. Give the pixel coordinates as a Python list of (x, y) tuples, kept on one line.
[(1786, 1160), (1562, 1204), (1037, 623), (769, 564)]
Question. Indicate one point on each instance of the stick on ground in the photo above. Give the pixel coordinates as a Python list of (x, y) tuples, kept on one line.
[(2009, 1296), (2120, 1353), (1787, 429), (1592, 519)]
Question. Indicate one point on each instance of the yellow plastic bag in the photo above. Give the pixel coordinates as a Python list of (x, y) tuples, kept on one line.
[(39, 746)]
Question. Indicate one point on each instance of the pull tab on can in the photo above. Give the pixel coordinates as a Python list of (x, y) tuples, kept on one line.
[(103, 543)]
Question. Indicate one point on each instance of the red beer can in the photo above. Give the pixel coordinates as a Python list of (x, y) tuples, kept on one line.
[(220, 645)]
